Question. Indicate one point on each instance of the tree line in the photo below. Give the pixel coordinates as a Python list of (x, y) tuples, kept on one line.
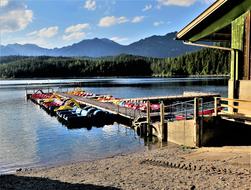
[(202, 62)]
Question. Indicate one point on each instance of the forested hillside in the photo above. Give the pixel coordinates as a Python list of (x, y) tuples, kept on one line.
[(203, 62)]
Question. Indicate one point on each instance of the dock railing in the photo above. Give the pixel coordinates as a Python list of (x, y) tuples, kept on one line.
[(194, 110), (183, 109), (186, 110), (132, 113), (32, 90), (232, 106)]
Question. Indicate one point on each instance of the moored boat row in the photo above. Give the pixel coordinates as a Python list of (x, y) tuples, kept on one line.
[(71, 107), (136, 105), (69, 111)]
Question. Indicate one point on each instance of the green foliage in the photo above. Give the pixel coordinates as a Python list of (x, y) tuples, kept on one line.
[(203, 62)]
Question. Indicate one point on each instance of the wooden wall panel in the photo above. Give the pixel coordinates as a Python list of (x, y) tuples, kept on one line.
[(247, 51)]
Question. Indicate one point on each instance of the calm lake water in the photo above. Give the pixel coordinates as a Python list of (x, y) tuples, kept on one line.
[(29, 137)]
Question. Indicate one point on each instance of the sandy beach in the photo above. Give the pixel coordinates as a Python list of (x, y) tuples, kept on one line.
[(171, 167)]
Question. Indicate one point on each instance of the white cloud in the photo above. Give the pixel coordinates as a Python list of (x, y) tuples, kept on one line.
[(118, 39), (14, 16), (147, 8), (138, 19), (74, 36), (75, 32), (90, 5), (184, 3), (107, 21), (48, 32), (158, 23), (112, 20), (121, 20), (77, 28), (4, 3), (45, 32)]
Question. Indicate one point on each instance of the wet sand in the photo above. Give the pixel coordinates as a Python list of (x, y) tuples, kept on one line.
[(172, 167)]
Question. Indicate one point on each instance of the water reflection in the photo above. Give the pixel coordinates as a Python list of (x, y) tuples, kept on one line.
[(29, 137)]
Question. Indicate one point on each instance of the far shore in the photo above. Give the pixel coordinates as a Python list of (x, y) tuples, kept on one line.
[(171, 167), (101, 77)]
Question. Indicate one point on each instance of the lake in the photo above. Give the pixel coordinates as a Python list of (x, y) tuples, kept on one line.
[(29, 137)]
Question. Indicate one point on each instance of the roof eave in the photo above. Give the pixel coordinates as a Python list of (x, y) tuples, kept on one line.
[(200, 18)]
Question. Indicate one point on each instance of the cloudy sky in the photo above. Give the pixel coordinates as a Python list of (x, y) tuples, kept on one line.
[(57, 23)]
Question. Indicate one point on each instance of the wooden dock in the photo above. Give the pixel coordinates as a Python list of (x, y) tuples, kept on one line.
[(106, 106), (130, 113)]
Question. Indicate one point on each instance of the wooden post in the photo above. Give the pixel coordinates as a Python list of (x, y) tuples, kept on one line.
[(186, 111), (195, 109), (26, 93), (201, 118), (196, 123), (162, 119), (232, 82), (215, 106), (148, 118), (247, 47)]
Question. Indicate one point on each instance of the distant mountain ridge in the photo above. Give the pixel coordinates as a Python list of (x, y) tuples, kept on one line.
[(154, 46)]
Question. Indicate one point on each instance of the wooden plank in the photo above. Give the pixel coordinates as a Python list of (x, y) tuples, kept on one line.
[(196, 123), (247, 41), (235, 100), (162, 119), (179, 97)]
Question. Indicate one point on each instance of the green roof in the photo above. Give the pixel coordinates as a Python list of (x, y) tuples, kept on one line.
[(214, 24)]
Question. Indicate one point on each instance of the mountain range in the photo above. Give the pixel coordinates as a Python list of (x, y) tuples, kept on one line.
[(154, 46)]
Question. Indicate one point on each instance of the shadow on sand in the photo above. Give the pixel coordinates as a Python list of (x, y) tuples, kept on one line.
[(31, 183)]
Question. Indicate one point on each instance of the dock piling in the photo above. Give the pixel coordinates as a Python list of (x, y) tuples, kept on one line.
[(196, 122), (26, 93), (148, 118), (216, 106), (162, 119), (118, 109), (201, 118)]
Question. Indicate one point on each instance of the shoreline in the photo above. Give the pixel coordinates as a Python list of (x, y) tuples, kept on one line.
[(169, 167), (72, 162), (109, 77)]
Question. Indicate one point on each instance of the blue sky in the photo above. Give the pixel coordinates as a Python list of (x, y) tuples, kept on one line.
[(57, 23)]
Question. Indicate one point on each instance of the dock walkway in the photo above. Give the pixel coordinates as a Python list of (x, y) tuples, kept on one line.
[(106, 106)]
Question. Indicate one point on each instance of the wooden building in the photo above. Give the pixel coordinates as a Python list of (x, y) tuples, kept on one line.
[(227, 20)]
